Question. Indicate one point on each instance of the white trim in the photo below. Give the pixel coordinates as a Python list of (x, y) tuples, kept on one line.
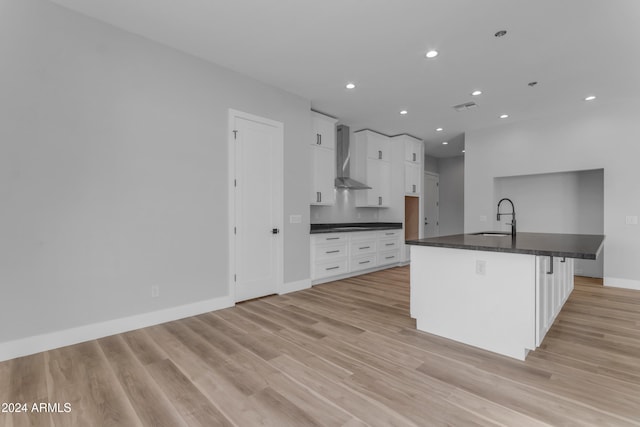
[(231, 161), (614, 282), (294, 286), (36, 344)]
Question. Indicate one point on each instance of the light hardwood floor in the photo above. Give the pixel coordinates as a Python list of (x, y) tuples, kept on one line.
[(344, 353)]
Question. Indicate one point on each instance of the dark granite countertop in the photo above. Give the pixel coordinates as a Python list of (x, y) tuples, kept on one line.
[(354, 226), (583, 246)]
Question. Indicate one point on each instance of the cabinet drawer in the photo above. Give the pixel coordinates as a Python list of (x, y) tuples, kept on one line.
[(330, 268), (364, 247), (328, 238), (389, 244), (327, 252), (389, 257), (385, 234), (363, 262)]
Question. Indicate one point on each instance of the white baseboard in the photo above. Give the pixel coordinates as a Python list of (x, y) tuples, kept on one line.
[(622, 283), (36, 344), (295, 286)]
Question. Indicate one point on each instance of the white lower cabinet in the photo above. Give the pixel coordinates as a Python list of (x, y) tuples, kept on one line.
[(553, 286), (339, 254)]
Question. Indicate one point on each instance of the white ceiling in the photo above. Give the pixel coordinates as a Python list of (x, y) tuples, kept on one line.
[(312, 48)]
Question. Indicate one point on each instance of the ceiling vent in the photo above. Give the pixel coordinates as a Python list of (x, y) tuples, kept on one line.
[(465, 106)]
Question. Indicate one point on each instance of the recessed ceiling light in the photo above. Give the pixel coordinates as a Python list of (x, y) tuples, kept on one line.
[(476, 93), (403, 112), (504, 116), (350, 86), (432, 54), (444, 143), (463, 151), (439, 130), (590, 98)]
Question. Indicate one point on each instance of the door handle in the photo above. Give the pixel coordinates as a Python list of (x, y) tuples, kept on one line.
[(318, 139), (379, 154), (275, 230)]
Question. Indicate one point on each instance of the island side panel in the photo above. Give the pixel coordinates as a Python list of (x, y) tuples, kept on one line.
[(494, 311)]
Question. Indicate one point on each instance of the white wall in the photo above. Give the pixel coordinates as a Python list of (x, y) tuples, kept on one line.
[(113, 163), (567, 202), (451, 195), (431, 164), (595, 136)]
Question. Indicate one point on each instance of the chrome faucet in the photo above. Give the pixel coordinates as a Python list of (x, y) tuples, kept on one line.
[(513, 215)]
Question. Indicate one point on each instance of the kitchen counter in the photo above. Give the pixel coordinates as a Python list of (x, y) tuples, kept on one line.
[(354, 226), (582, 246), (493, 291)]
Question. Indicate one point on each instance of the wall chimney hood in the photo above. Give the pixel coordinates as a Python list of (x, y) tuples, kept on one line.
[(343, 157)]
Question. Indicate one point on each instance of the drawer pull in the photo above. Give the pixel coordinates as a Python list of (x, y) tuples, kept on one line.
[(364, 262), (389, 244), (389, 234), (390, 257), (365, 247), (332, 268), (333, 238), (332, 252)]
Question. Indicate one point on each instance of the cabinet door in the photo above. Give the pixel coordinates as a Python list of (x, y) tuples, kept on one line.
[(412, 151), (384, 186), (324, 172), (373, 181), (323, 131), (378, 147), (411, 178)]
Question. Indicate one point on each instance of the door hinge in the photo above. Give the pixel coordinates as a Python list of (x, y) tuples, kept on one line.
[(235, 134), (234, 278), (235, 183), (437, 203), (234, 230)]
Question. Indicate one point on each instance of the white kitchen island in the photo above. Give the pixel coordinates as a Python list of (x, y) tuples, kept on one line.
[(495, 292)]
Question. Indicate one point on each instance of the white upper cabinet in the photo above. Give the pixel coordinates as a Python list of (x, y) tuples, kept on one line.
[(412, 178), (323, 159), (323, 131), (413, 151), (371, 164), (378, 146), (324, 174)]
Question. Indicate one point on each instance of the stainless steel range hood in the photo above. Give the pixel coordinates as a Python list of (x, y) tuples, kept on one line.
[(343, 157)]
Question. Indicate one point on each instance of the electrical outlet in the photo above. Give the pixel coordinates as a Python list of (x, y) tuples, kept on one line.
[(632, 220), (155, 291), (295, 219), (481, 267)]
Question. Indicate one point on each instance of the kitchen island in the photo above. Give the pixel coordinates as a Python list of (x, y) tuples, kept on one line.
[(492, 290)]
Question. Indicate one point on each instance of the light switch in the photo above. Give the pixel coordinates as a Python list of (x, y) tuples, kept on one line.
[(632, 220), (295, 219)]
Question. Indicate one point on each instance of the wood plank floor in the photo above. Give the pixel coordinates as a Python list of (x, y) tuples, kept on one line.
[(344, 353)]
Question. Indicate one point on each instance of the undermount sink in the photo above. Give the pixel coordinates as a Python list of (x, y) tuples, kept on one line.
[(492, 233)]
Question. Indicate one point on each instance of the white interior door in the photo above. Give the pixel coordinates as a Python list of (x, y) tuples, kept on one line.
[(256, 261), (431, 205)]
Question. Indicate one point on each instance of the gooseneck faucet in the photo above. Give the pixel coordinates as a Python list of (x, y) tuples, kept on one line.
[(513, 215)]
